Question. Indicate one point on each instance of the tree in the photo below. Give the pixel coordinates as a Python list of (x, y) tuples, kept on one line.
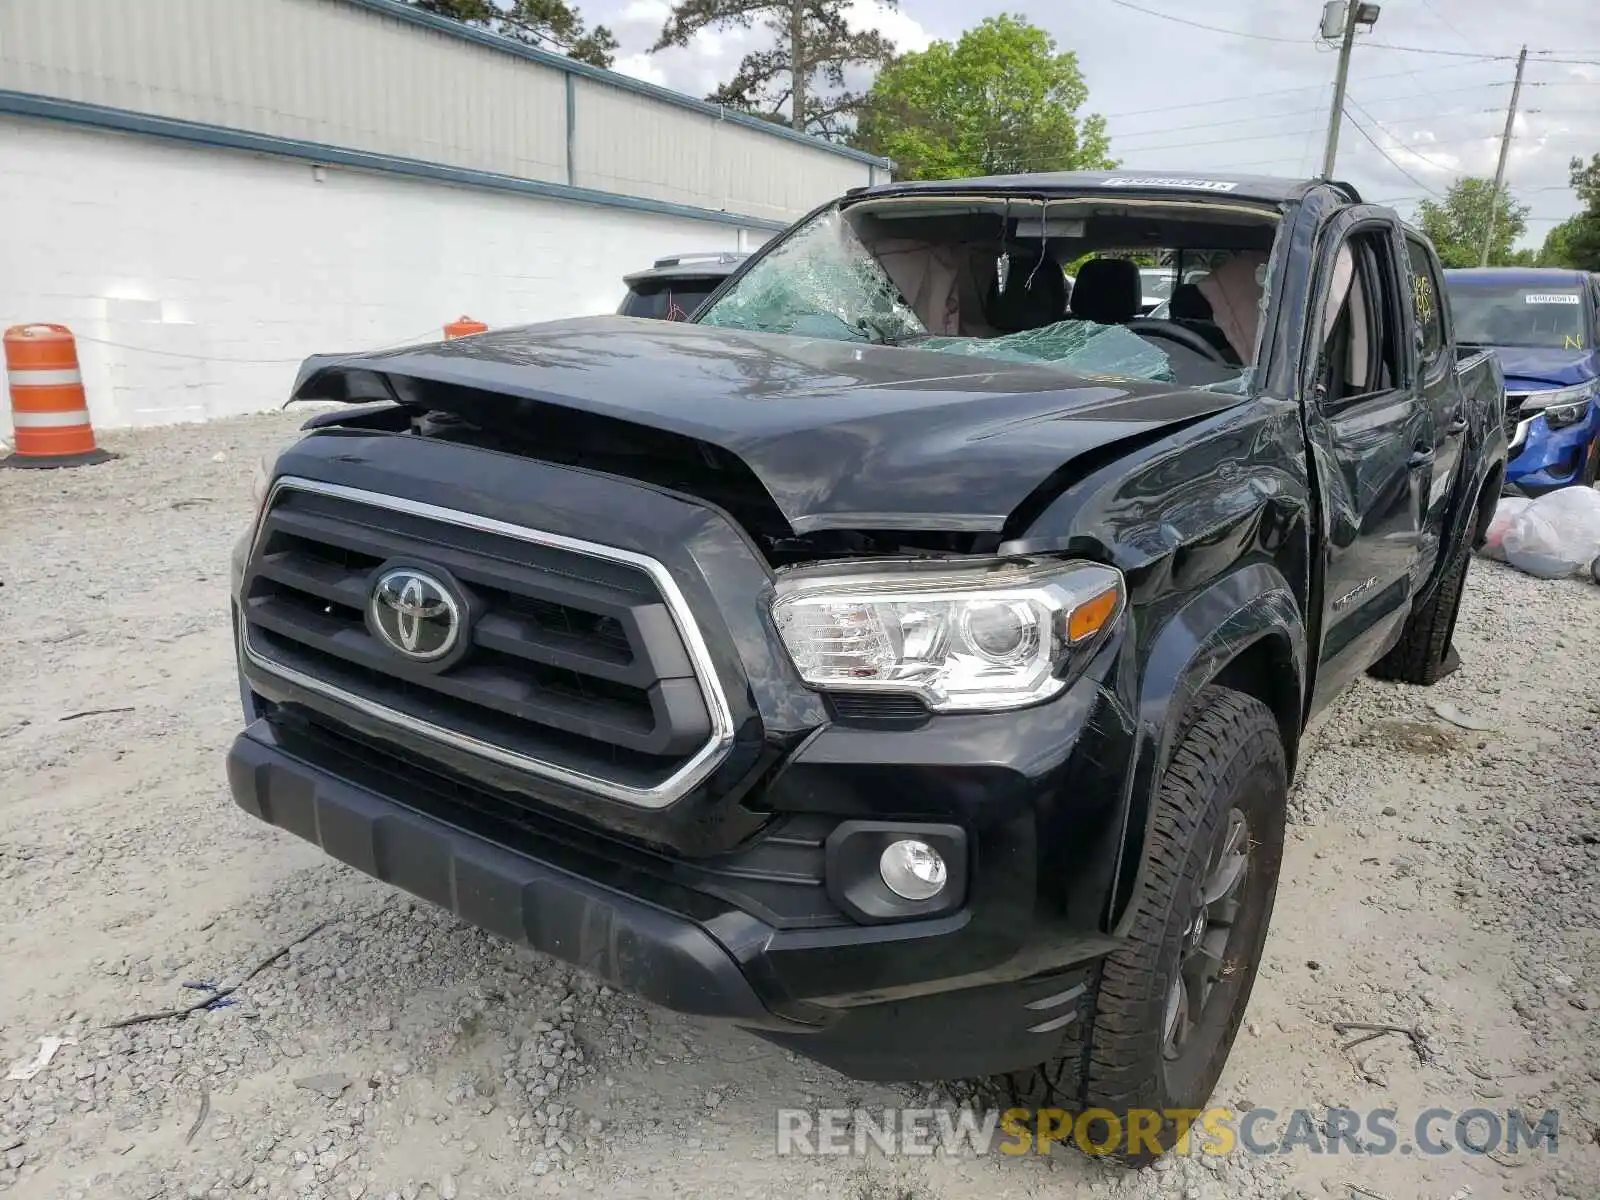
[(547, 24), (1557, 248), (1000, 100), (799, 80), (1456, 224), (1582, 234)]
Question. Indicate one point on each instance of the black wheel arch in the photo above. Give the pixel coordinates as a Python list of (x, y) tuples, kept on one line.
[(1245, 631), (1488, 498)]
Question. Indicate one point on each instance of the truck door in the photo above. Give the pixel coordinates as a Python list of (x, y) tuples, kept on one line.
[(1372, 446), (1441, 395)]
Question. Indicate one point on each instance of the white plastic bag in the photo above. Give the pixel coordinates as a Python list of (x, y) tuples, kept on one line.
[(1556, 536), (1504, 513)]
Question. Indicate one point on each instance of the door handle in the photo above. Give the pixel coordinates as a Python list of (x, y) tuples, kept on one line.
[(1420, 458), (1455, 429)]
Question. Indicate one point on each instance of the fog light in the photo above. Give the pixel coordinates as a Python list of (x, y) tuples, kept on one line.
[(912, 870)]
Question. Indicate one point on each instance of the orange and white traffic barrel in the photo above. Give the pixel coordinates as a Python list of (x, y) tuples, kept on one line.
[(49, 412), (464, 327)]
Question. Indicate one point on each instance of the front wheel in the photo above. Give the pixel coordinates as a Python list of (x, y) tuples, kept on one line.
[(1170, 1002)]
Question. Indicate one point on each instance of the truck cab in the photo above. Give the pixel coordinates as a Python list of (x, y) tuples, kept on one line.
[(1543, 325)]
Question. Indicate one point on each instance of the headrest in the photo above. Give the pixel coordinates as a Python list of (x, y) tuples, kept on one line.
[(1189, 303), (1022, 307), (1108, 290)]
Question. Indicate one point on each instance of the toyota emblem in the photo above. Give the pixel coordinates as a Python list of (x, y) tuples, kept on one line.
[(415, 614)]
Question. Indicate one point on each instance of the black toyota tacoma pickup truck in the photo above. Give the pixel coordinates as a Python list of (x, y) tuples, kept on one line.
[(899, 659)]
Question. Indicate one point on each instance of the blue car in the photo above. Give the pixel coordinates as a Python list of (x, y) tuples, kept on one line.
[(1543, 324)]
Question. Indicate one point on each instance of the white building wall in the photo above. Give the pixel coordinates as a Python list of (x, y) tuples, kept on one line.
[(317, 70), (382, 78), (630, 143), (215, 272)]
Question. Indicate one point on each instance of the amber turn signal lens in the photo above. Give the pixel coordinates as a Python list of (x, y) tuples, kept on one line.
[(1090, 617)]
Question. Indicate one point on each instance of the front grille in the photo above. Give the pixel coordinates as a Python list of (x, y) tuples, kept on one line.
[(577, 662)]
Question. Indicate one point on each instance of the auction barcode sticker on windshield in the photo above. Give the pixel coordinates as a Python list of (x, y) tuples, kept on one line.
[(1204, 185), (1552, 298)]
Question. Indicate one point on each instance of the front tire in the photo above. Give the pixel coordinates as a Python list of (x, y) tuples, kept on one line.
[(1170, 1002)]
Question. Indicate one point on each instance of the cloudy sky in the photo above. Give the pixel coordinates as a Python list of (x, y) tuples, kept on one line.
[(1253, 95)]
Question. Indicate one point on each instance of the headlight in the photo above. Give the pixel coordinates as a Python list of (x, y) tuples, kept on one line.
[(1561, 406), (983, 637), (1566, 414)]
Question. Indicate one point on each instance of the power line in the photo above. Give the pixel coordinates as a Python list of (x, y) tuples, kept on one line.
[(1445, 21), (1445, 53), (1550, 188), (1238, 33), (1310, 87), (1476, 87), (1434, 50), (1254, 137), (1360, 128), (1490, 137), (1265, 37), (1296, 112), (1400, 142)]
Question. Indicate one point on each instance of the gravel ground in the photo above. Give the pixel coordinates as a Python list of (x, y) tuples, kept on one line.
[(1437, 877)]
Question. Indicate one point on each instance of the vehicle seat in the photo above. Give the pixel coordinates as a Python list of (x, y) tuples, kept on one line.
[(1108, 291), (1022, 307), (1192, 310)]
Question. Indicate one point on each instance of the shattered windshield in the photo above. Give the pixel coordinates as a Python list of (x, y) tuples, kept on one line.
[(1088, 348), (822, 282), (964, 276)]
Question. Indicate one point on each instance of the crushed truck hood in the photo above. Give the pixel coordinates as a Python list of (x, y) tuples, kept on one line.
[(841, 434)]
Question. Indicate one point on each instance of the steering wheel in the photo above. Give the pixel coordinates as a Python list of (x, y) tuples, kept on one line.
[(1176, 333)]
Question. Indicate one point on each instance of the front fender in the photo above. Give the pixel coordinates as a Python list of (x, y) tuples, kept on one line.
[(1245, 630)]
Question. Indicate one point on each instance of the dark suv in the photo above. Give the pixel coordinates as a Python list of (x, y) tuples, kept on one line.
[(674, 288)]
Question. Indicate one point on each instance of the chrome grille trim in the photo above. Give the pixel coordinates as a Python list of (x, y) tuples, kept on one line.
[(693, 772)]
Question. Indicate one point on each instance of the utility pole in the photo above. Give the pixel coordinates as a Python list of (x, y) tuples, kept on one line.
[(1336, 24), (1334, 117), (1505, 147)]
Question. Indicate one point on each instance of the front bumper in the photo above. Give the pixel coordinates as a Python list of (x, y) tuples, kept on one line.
[(1544, 459), (635, 946), (687, 953)]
